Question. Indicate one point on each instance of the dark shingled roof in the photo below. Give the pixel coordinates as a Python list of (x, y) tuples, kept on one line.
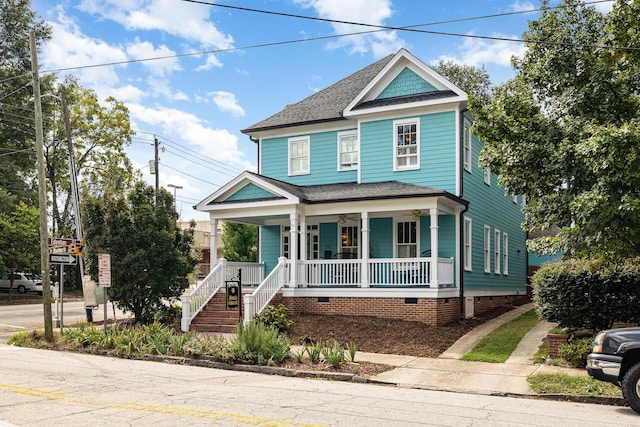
[(352, 191), (324, 106), (425, 96)]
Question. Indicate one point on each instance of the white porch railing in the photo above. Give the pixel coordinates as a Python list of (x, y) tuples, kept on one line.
[(258, 300), (382, 272), (252, 272), (194, 302)]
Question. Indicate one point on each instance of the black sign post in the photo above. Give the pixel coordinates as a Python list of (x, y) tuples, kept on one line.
[(234, 294)]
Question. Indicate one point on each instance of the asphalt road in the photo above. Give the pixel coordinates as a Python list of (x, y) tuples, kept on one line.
[(50, 388), (15, 318)]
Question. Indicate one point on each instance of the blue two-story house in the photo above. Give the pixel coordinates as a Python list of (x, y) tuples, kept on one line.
[(369, 201)]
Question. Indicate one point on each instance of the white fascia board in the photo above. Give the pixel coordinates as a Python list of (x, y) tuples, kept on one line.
[(403, 59), (291, 131), (238, 182), (446, 102)]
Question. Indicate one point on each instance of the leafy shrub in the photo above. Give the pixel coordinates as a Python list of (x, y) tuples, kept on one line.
[(576, 351), (276, 317), (588, 294), (169, 315), (260, 344), (333, 354)]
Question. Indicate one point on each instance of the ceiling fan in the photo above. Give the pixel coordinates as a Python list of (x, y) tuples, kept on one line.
[(343, 218)]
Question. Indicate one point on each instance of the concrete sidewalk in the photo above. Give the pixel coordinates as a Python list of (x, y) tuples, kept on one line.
[(447, 373)]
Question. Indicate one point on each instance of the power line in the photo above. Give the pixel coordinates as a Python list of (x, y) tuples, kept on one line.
[(215, 161), (199, 164), (189, 175), (410, 28)]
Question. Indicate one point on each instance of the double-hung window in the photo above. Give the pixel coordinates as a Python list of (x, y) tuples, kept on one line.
[(407, 239), (487, 249), (505, 253), (467, 244), (487, 176), (496, 250), (467, 147), (406, 151), (347, 150), (299, 153)]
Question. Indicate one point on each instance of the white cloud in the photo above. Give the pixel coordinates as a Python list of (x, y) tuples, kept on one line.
[(211, 62), (218, 143), (146, 50), (364, 11), (478, 52), (181, 19), (521, 6), (226, 101)]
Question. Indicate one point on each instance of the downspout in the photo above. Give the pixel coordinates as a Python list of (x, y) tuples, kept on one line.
[(462, 212)]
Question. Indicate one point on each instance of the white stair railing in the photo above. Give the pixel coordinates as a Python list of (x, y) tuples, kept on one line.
[(258, 300), (193, 302)]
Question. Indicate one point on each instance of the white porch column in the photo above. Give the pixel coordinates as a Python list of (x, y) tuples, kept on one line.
[(434, 247), (293, 249), (365, 250), (213, 243)]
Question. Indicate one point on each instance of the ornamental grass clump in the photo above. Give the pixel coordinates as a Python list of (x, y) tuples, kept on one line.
[(260, 344)]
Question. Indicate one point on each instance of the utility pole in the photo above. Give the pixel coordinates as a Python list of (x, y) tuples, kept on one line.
[(155, 143), (42, 194)]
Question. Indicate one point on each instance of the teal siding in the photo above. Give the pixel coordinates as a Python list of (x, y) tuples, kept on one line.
[(381, 237), (437, 152), (538, 260), (490, 205), (328, 238), (323, 167), (250, 192), (406, 83), (446, 235), (270, 247)]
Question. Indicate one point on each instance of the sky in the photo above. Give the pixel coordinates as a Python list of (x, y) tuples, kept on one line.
[(195, 73)]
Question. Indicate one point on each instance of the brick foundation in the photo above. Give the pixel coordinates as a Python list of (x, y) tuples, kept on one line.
[(484, 304), (431, 311), (555, 341)]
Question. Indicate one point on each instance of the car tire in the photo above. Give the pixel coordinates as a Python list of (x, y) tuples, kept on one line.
[(631, 387), (21, 289)]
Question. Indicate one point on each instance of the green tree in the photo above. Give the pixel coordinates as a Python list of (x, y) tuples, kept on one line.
[(100, 134), (151, 257), (21, 242), (565, 131), (475, 81), (17, 136), (240, 242)]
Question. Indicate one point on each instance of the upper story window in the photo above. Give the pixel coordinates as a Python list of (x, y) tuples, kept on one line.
[(348, 149), (487, 176), (467, 147), (299, 155), (407, 144), (407, 239)]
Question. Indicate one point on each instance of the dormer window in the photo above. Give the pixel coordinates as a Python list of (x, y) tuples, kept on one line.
[(406, 144)]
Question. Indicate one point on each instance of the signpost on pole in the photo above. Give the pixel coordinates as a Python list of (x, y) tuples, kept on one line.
[(104, 280)]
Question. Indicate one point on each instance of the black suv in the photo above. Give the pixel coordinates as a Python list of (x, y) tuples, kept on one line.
[(615, 358)]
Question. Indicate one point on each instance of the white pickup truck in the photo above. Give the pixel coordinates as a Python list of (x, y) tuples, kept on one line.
[(22, 282)]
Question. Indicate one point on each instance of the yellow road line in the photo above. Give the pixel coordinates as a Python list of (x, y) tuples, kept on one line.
[(165, 409)]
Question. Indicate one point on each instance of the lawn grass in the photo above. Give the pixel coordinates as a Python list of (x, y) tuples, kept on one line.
[(498, 345), (571, 384)]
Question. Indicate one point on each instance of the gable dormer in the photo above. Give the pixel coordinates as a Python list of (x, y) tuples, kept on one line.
[(405, 82)]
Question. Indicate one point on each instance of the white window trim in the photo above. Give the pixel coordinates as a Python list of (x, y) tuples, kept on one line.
[(487, 249), (395, 235), (487, 176), (505, 254), (514, 197), (468, 241), (340, 136), (496, 251), (307, 140), (466, 136), (396, 123)]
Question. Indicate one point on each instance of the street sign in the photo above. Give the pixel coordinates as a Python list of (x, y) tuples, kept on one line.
[(104, 270), (67, 259), (61, 241)]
